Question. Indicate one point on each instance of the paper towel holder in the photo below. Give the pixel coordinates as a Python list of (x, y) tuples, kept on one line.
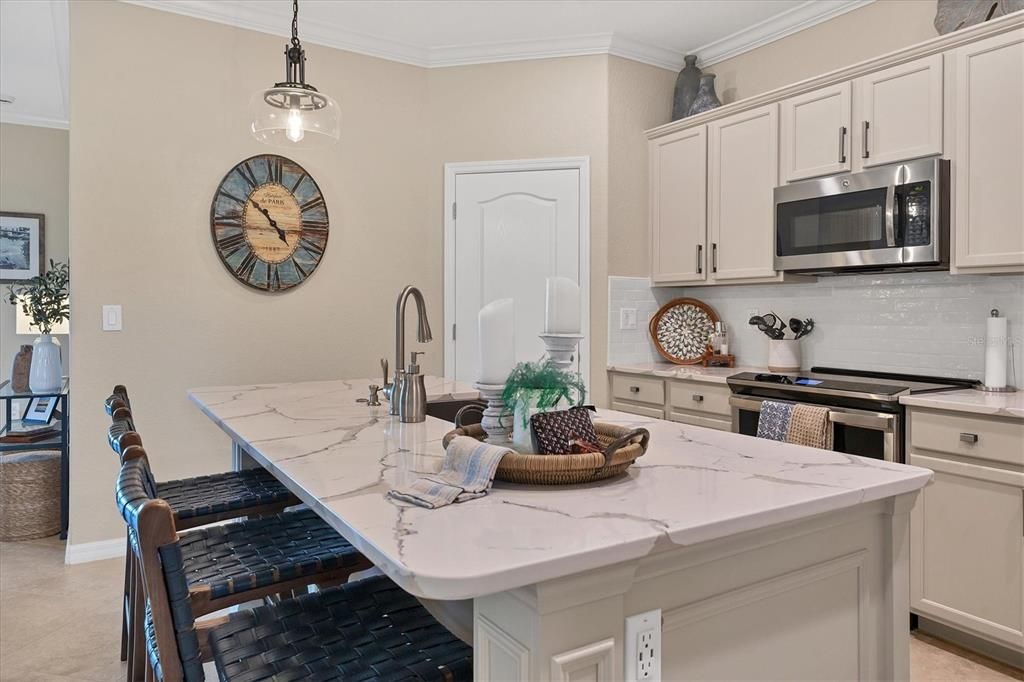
[(1009, 388)]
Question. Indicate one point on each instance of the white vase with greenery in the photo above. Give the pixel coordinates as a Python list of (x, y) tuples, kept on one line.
[(44, 300)]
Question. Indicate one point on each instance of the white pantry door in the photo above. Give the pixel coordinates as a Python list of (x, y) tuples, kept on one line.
[(511, 231)]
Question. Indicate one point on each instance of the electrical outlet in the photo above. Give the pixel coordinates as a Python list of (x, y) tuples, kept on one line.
[(643, 647), (627, 318)]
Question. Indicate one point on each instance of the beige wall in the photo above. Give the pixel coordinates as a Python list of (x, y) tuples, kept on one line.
[(639, 97), (33, 179), (871, 31), (153, 134)]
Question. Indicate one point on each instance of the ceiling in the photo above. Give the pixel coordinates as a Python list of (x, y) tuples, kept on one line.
[(427, 33), (34, 62)]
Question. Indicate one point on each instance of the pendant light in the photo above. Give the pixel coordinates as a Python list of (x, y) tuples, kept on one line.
[(293, 114)]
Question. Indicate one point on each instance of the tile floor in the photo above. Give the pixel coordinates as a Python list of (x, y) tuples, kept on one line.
[(60, 623)]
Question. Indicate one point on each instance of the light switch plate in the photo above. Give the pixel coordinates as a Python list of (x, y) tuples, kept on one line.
[(627, 318), (112, 318)]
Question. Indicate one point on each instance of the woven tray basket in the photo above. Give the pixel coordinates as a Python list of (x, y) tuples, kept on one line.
[(622, 446), (29, 494)]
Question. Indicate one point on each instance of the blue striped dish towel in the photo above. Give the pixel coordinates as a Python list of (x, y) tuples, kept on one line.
[(466, 474), (773, 423)]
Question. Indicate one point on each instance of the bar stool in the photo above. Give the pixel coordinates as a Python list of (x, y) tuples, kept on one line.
[(366, 630)]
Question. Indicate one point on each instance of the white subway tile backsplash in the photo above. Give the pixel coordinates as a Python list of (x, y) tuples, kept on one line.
[(925, 323)]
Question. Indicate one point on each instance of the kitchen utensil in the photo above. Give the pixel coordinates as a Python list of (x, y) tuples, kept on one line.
[(806, 327), (767, 324), (681, 329)]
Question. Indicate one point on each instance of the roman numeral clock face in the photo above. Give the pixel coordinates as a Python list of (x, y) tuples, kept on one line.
[(269, 223)]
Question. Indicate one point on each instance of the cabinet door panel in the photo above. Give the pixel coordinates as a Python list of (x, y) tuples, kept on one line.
[(903, 109), (743, 173), (989, 162), (967, 549), (816, 133), (679, 206)]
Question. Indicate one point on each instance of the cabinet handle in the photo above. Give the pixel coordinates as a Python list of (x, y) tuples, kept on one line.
[(842, 144), (698, 398), (714, 257), (971, 438), (634, 389), (700, 259), (865, 153)]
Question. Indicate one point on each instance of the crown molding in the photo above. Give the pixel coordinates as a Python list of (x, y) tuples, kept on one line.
[(778, 27), (250, 16), (15, 118)]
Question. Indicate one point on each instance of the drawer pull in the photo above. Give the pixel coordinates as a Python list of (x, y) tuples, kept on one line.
[(698, 398), (634, 389), (971, 438)]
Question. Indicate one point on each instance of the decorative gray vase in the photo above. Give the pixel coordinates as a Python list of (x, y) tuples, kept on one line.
[(706, 99), (687, 83)]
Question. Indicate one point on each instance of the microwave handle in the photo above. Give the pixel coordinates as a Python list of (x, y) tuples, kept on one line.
[(890, 211)]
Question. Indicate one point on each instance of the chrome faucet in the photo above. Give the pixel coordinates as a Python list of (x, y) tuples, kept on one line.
[(392, 390)]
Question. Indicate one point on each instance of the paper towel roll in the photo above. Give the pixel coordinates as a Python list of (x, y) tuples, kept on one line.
[(995, 351)]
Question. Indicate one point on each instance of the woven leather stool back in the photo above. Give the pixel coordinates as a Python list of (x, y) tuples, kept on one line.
[(171, 640)]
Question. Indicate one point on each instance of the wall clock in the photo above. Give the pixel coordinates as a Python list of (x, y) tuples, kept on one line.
[(269, 223)]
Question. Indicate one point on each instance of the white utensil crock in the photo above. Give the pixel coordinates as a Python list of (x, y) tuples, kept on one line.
[(45, 373), (784, 355)]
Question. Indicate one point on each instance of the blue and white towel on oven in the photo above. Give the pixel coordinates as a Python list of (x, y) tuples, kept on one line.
[(773, 423), (466, 474)]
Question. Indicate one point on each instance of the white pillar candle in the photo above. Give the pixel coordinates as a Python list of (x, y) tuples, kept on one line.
[(562, 307), (497, 341)]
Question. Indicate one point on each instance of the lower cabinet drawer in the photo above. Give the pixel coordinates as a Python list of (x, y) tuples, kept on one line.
[(698, 420), (638, 389), (704, 398), (998, 440), (641, 410)]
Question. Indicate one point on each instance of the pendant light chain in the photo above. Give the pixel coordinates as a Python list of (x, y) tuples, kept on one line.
[(295, 23)]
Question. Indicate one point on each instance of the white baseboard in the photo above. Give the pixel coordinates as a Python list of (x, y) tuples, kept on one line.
[(85, 552)]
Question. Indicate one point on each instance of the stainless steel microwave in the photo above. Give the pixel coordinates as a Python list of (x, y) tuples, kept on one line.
[(887, 218)]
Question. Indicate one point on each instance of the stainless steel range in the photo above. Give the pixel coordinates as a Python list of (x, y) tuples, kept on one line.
[(864, 407)]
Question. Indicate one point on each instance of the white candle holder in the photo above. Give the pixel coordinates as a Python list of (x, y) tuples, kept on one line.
[(561, 348), (497, 419)]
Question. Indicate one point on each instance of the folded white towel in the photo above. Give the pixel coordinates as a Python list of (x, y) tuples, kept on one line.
[(467, 473)]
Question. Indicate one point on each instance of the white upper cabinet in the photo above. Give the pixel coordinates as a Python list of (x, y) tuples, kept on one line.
[(678, 206), (815, 138), (898, 113), (742, 174), (989, 155)]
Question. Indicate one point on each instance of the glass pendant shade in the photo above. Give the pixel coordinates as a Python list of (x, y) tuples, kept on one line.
[(294, 117)]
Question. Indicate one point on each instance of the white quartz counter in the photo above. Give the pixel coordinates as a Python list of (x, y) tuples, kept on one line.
[(693, 485), (969, 400), (667, 370)]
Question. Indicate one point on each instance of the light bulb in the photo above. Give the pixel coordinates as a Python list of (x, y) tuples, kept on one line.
[(294, 130)]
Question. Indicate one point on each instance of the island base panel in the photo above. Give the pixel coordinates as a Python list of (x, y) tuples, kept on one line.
[(822, 598)]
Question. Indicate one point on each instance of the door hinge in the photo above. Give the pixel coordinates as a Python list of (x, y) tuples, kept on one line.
[(453, 332), (455, 211)]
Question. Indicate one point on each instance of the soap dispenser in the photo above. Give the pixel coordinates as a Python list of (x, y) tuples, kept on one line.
[(412, 398)]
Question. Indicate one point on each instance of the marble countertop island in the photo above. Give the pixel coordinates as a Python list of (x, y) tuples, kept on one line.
[(694, 485)]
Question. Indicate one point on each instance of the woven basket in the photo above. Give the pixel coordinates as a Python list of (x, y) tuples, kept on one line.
[(29, 494), (621, 447)]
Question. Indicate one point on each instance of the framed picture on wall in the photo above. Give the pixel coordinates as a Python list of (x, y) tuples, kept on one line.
[(21, 245)]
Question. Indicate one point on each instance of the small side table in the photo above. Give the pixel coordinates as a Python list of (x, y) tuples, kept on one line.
[(59, 441)]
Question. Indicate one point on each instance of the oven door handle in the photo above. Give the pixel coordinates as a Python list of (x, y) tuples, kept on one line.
[(864, 420), (878, 421)]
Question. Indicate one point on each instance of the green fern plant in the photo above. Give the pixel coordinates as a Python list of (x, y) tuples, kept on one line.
[(44, 298), (543, 381)]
